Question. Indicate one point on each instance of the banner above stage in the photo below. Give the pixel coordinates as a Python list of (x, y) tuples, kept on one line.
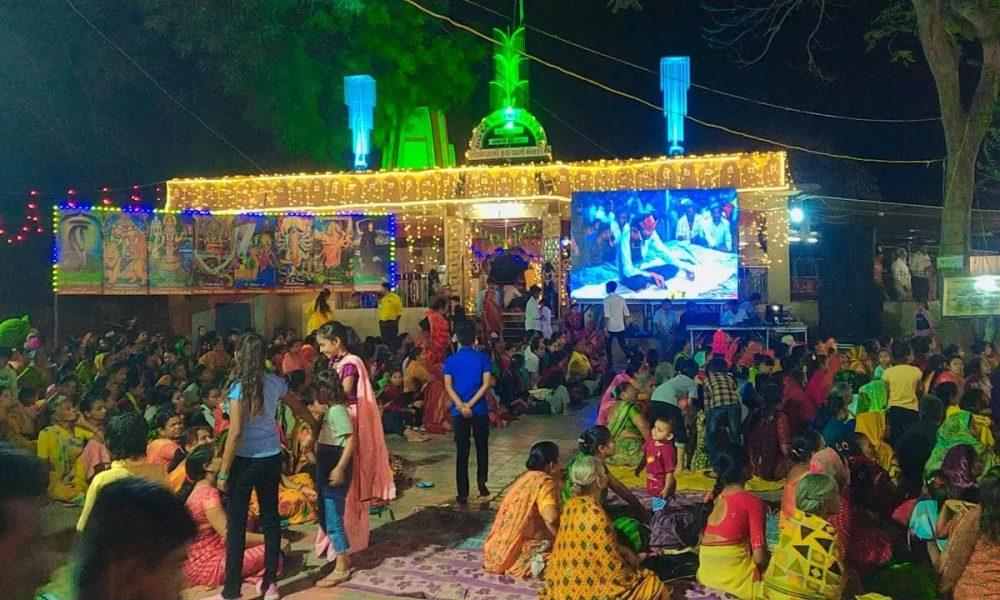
[(140, 251)]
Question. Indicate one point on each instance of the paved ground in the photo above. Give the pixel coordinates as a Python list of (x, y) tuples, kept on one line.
[(432, 461)]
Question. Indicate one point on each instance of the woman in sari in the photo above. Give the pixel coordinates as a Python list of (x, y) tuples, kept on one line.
[(965, 427), (805, 444), (436, 342), (808, 562), (970, 564), (628, 426), (527, 522), (828, 462), (628, 520), (609, 397), (874, 427), (371, 477), (733, 548), (587, 537), (492, 315), (873, 499)]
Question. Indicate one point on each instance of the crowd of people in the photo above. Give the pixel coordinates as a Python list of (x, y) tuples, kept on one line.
[(828, 472)]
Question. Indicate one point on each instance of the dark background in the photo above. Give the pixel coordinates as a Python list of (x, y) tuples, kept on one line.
[(74, 113)]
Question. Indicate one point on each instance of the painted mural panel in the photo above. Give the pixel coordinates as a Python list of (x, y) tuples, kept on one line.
[(171, 253), (126, 256), (80, 249)]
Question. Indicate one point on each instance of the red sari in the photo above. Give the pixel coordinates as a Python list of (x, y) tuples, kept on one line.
[(492, 318), (437, 418)]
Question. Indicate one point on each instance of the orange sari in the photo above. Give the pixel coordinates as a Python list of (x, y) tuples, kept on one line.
[(519, 532)]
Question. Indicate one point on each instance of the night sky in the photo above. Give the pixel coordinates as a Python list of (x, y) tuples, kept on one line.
[(73, 113)]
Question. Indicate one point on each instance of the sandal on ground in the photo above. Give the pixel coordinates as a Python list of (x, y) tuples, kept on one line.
[(334, 579)]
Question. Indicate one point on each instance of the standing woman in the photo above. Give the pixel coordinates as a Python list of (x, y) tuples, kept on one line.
[(321, 312), (371, 478), (251, 461)]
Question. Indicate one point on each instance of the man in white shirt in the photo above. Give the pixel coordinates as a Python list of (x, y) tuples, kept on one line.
[(733, 315), (901, 276), (531, 319), (615, 313), (716, 231), (920, 273)]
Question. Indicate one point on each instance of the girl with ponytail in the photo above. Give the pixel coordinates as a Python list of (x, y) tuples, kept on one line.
[(733, 548), (206, 559)]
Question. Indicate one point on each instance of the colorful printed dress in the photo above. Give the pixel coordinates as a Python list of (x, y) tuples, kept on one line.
[(206, 560), (585, 562), (63, 450), (807, 563), (519, 533)]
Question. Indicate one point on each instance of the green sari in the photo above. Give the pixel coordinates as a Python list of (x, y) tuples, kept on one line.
[(956, 431), (628, 448)]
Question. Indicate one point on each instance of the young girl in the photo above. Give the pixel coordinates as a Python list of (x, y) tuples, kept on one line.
[(206, 557), (61, 445), (334, 451), (164, 450), (398, 415)]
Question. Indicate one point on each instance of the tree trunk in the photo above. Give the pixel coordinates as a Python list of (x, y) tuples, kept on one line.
[(964, 128)]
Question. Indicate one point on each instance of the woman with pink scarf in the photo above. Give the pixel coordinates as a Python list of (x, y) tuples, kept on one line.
[(371, 477)]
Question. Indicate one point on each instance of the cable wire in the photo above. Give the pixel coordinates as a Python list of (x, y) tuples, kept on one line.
[(607, 88), (163, 89), (705, 87)]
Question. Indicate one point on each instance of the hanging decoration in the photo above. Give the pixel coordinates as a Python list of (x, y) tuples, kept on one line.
[(30, 226)]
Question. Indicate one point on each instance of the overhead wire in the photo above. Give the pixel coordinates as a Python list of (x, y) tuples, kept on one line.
[(706, 88), (643, 101), (160, 87)]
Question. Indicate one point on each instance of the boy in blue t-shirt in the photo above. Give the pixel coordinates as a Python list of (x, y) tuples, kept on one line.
[(467, 379)]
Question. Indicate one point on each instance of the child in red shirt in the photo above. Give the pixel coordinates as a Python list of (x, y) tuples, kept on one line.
[(660, 460)]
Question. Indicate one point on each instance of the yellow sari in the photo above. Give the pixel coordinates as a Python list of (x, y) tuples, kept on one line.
[(519, 532), (585, 562)]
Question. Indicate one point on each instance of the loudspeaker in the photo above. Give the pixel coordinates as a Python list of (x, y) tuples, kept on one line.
[(850, 305)]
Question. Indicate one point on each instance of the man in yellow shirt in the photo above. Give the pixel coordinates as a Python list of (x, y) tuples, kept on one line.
[(125, 439), (390, 310)]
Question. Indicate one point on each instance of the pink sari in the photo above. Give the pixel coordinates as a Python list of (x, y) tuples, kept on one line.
[(607, 402), (371, 477)]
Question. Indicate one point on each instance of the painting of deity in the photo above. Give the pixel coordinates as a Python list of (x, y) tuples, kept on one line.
[(126, 257)]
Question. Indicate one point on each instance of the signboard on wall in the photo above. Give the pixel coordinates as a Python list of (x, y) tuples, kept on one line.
[(140, 251), (971, 296)]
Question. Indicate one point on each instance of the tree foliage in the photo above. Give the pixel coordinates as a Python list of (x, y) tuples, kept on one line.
[(288, 58)]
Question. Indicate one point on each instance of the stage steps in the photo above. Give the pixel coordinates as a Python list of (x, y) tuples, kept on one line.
[(513, 326)]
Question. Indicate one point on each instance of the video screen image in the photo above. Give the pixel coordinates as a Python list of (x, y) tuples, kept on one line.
[(656, 244)]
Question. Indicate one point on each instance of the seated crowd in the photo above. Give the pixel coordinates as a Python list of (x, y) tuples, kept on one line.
[(832, 475), (828, 474)]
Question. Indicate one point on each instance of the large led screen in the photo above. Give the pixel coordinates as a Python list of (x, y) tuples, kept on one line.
[(655, 244)]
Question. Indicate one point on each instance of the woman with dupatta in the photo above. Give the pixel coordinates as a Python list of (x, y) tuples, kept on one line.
[(436, 342), (492, 316), (528, 520), (371, 476), (965, 427)]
